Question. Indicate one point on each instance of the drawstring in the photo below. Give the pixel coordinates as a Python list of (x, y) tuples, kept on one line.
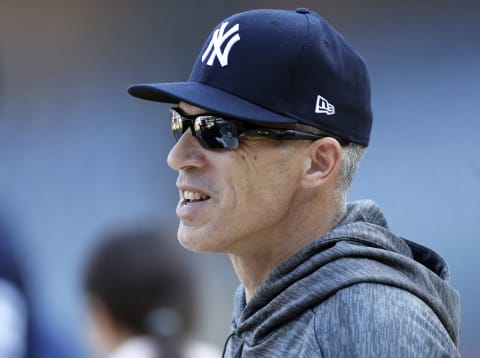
[(239, 352), (226, 343)]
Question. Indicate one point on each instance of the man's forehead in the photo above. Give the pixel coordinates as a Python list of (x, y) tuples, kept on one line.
[(190, 108)]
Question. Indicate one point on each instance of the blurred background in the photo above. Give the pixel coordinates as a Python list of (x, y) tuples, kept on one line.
[(78, 155)]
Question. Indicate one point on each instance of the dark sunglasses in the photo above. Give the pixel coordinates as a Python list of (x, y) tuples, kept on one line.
[(219, 132)]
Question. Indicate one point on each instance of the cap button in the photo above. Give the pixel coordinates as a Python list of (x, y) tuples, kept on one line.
[(302, 10)]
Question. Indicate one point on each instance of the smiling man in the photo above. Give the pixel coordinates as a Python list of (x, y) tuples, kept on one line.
[(270, 129)]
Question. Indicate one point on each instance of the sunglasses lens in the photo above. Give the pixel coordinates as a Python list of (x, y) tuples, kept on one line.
[(213, 132), (210, 131), (177, 125)]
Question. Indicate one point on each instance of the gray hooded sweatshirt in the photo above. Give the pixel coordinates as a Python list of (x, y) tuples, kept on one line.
[(357, 291)]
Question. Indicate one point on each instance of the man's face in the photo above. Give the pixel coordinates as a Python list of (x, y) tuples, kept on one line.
[(232, 200)]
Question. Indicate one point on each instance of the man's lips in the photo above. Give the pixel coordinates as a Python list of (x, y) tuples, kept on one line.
[(190, 205), (192, 200)]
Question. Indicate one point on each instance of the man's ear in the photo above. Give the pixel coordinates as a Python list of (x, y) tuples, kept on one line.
[(322, 162)]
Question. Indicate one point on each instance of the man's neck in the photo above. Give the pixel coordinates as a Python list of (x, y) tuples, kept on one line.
[(268, 250)]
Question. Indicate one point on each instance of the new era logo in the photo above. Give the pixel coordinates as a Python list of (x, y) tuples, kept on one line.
[(214, 48), (323, 106)]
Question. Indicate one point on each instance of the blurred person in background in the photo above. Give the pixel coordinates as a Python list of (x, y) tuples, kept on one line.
[(13, 302), (23, 332), (270, 129), (141, 299)]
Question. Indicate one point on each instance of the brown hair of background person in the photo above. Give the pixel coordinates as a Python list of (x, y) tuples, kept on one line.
[(138, 286)]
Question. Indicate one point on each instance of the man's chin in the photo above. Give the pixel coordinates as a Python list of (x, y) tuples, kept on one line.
[(193, 241), (190, 239)]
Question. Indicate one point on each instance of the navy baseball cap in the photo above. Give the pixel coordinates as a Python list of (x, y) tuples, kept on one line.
[(277, 67)]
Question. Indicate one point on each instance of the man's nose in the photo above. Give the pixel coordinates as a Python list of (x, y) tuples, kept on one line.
[(187, 152)]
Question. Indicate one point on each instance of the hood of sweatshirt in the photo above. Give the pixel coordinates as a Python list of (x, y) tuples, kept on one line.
[(331, 263)]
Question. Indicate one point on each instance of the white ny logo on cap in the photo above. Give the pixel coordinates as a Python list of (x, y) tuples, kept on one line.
[(218, 38)]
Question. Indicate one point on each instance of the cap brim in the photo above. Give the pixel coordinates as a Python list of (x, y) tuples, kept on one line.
[(208, 98)]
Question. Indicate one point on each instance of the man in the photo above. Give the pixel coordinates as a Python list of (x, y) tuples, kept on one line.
[(270, 128)]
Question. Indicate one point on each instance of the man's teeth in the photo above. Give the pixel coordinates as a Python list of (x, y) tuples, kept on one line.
[(191, 195)]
